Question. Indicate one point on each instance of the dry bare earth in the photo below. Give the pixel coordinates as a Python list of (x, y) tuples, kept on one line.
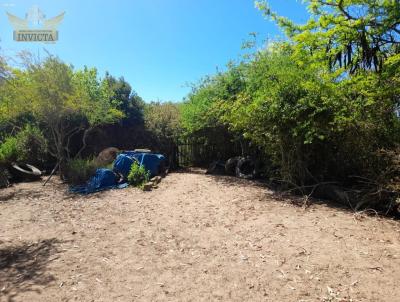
[(195, 238)]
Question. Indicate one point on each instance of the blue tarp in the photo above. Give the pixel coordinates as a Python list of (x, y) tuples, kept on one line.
[(122, 164), (105, 179), (150, 161)]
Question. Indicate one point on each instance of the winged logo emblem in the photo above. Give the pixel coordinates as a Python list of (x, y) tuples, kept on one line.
[(47, 32)]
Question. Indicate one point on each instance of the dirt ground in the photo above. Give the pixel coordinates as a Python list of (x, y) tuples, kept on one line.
[(195, 238)]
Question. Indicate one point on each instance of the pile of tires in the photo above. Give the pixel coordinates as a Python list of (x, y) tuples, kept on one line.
[(242, 167), (230, 165)]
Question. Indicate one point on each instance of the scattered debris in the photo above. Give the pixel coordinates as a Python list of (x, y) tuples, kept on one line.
[(377, 268), (105, 179), (148, 186), (156, 180)]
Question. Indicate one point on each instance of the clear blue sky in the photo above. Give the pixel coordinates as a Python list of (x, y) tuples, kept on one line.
[(159, 46)]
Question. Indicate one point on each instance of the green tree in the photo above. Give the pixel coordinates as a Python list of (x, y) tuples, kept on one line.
[(129, 102), (65, 102), (96, 102), (162, 120), (202, 112), (354, 34)]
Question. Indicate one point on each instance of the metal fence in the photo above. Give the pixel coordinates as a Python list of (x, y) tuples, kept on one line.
[(197, 154)]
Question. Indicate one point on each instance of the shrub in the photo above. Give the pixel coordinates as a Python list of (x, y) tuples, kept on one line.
[(138, 175), (28, 145), (78, 171), (162, 120), (32, 146), (9, 150)]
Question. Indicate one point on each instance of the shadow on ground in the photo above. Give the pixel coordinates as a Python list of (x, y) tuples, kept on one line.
[(23, 267), (224, 179), (273, 192)]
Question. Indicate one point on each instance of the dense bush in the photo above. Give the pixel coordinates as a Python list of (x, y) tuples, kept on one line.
[(78, 171), (162, 122), (201, 117), (9, 150), (32, 145), (138, 175), (66, 103), (28, 145), (313, 116), (310, 123), (320, 107)]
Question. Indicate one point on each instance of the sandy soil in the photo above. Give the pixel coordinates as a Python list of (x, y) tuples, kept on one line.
[(195, 238)]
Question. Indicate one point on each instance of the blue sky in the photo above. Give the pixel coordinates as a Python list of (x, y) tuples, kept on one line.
[(158, 46)]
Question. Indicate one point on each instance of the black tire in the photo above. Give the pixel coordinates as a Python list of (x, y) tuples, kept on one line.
[(25, 172), (231, 164), (246, 168)]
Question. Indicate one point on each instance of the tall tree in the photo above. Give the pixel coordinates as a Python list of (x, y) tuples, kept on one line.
[(65, 102), (128, 101), (354, 34)]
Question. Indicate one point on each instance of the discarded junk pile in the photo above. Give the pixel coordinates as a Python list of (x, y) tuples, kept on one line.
[(116, 178)]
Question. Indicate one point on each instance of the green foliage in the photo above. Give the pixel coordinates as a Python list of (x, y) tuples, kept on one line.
[(63, 101), (302, 117), (9, 150), (78, 171), (318, 106), (32, 145), (163, 120), (138, 175), (28, 145), (202, 116), (95, 98), (352, 34), (199, 112), (127, 101)]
